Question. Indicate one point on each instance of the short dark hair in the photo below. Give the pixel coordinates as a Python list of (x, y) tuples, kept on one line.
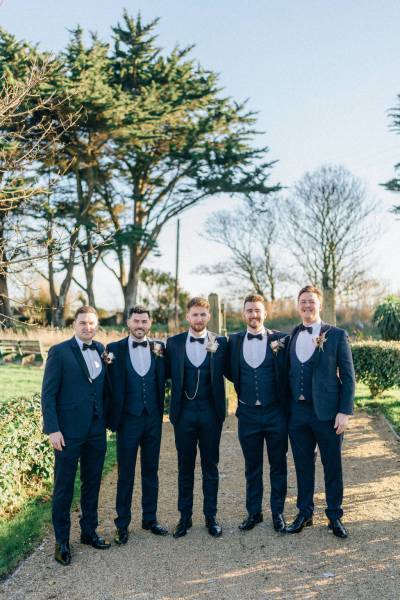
[(198, 301), (139, 309), (254, 298), (311, 289), (82, 310)]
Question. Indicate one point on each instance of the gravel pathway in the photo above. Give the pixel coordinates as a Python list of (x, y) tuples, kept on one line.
[(256, 565)]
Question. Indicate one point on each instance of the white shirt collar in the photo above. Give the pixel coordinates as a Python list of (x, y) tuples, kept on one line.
[(80, 343), (262, 331), (315, 326), (194, 334)]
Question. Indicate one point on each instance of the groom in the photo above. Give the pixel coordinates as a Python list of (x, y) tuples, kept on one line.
[(195, 364), (137, 376), (322, 382), (73, 407)]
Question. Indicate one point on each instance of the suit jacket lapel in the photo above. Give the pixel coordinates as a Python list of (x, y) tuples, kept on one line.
[(81, 361), (181, 355), (291, 338), (236, 357), (318, 352)]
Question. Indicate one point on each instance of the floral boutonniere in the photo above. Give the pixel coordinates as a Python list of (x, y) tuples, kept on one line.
[(320, 340), (277, 345), (107, 357), (212, 344), (158, 349)]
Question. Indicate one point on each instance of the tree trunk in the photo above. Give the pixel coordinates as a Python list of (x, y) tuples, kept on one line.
[(5, 306), (329, 306), (130, 291)]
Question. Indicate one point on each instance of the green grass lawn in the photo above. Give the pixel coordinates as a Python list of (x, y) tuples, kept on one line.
[(16, 381), (388, 404)]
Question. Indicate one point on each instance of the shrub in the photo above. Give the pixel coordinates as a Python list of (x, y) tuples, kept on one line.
[(387, 318), (377, 364), (26, 457)]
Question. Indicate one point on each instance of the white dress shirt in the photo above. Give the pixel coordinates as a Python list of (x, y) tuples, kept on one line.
[(195, 351), (305, 343), (92, 360), (140, 356), (254, 350)]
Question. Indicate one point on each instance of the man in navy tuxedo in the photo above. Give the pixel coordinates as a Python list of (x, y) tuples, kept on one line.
[(137, 377), (195, 364), (256, 366), (322, 384), (74, 406)]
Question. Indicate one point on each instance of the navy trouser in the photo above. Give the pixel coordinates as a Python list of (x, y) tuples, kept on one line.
[(306, 432), (90, 451), (197, 427), (257, 425), (142, 431)]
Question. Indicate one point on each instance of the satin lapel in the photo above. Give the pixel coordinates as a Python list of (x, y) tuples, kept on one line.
[(324, 328), (181, 356), (291, 338), (238, 350), (81, 361), (271, 336)]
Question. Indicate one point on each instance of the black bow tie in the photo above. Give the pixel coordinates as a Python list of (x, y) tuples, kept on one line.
[(254, 336), (88, 346), (136, 344), (195, 339), (304, 328)]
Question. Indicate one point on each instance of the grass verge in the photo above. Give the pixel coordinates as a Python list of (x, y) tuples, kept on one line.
[(388, 404), (19, 535)]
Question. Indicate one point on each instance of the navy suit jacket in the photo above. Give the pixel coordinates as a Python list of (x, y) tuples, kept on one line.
[(232, 373), (117, 374), (67, 390), (333, 380), (175, 364)]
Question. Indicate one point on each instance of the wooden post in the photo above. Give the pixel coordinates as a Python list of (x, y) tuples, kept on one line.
[(215, 323)]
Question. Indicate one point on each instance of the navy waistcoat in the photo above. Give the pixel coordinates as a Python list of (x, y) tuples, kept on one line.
[(258, 386), (300, 375), (141, 392), (96, 393), (202, 374)]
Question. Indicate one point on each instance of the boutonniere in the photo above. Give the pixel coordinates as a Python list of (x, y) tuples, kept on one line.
[(158, 349), (320, 340), (107, 357), (276, 345), (212, 344)]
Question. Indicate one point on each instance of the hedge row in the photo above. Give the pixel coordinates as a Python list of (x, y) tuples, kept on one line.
[(26, 457), (377, 364)]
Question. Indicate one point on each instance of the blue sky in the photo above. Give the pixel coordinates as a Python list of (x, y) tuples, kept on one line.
[(322, 76)]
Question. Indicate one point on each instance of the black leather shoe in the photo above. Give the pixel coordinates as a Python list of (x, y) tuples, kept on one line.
[(154, 527), (121, 535), (337, 528), (94, 540), (214, 528), (182, 527), (299, 523), (251, 521), (279, 523), (62, 553)]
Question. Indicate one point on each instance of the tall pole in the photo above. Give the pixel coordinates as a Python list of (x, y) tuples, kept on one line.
[(176, 276)]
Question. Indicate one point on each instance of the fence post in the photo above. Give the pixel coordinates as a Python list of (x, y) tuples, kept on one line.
[(215, 323)]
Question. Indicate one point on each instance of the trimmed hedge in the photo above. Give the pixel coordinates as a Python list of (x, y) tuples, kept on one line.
[(377, 364), (26, 456)]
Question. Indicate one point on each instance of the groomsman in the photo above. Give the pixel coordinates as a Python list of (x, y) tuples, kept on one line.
[(322, 384), (195, 363), (73, 407), (257, 368), (137, 376)]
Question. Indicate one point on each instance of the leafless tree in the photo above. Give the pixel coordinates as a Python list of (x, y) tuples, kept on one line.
[(251, 235), (327, 216)]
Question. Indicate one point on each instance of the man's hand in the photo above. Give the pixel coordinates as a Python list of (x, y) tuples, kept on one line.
[(57, 440), (341, 423)]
